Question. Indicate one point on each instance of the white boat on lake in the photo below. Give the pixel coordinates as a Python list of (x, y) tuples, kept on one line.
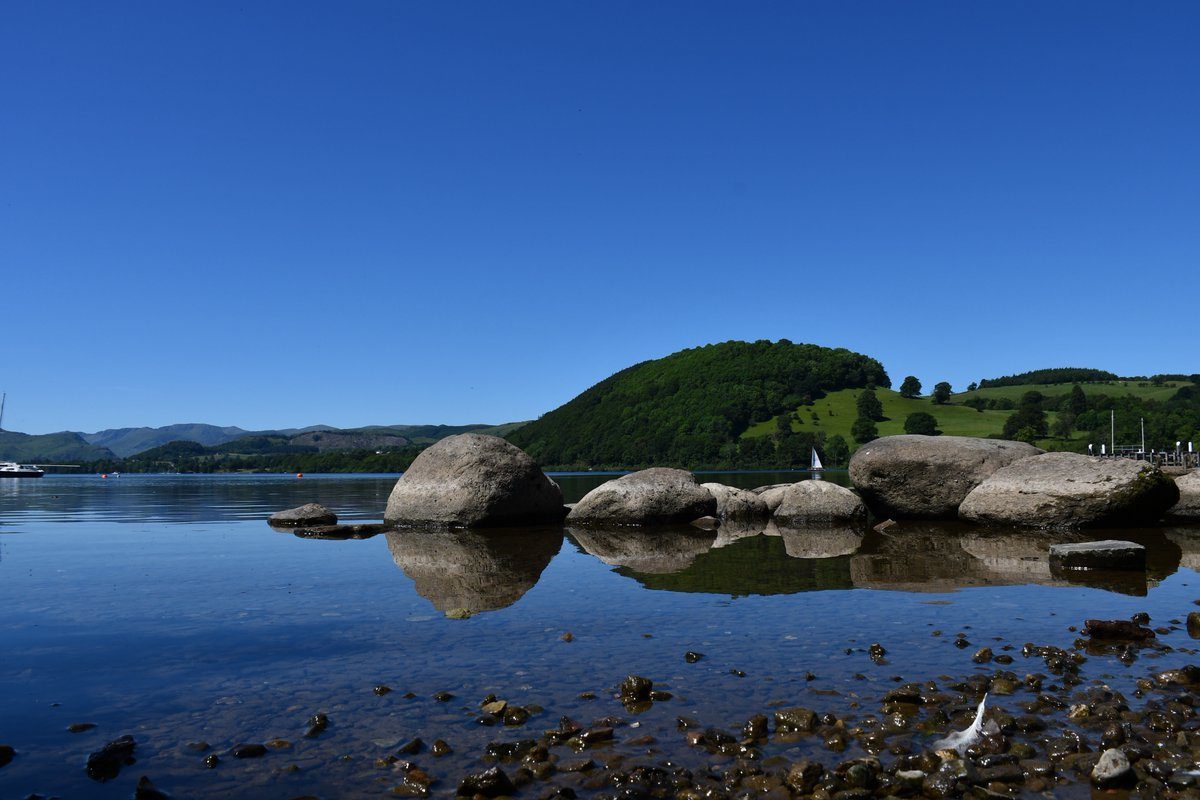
[(11, 469)]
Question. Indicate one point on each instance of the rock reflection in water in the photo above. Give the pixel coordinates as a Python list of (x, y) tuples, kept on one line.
[(651, 550), (818, 541), (943, 557), (476, 571)]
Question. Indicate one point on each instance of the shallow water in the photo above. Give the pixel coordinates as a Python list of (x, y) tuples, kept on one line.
[(164, 607)]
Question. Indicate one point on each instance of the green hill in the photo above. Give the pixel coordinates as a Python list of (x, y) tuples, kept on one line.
[(64, 447), (1119, 388), (691, 408)]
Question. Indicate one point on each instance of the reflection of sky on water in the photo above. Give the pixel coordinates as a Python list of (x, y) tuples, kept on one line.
[(156, 614)]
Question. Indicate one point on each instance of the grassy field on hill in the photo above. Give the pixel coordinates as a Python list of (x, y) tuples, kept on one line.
[(1144, 390), (836, 412)]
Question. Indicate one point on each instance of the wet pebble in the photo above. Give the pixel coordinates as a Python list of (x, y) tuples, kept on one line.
[(440, 748), (382, 689), (6, 754), (489, 783), (635, 688), (211, 760), (317, 724), (199, 746), (80, 727), (691, 656), (568, 637), (443, 697), (248, 750), (145, 790)]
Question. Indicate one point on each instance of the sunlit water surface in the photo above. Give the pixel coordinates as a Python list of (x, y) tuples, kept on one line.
[(164, 607)]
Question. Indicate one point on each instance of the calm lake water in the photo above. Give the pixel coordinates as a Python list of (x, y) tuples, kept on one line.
[(165, 608)]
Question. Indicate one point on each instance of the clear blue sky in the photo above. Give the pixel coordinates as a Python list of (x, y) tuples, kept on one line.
[(287, 213)]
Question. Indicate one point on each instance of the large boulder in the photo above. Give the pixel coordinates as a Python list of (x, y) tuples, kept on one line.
[(739, 507), (773, 495), (928, 476), (1068, 490), (473, 480), (1188, 507), (657, 496), (809, 502)]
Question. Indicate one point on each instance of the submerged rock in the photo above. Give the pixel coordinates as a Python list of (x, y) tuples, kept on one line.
[(658, 496), (1068, 490), (7, 753), (927, 476), (105, 764), (810, 502), (473, 480), (307, 515)]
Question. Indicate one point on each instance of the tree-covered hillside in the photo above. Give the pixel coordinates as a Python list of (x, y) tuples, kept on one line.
[(691, 408), (64, 446)]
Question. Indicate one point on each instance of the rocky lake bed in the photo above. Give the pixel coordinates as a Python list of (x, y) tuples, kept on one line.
[(796, 645)]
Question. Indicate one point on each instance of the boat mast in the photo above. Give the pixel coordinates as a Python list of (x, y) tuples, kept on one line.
[(3, 398)]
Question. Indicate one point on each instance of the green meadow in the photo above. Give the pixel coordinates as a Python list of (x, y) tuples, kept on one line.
[(1142, 389)]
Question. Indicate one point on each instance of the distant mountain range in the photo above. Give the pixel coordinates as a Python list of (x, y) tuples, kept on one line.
[(68, 446)]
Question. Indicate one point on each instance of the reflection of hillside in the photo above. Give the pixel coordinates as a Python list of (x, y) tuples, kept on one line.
[(751, 565), (478, 571), (651, 550)]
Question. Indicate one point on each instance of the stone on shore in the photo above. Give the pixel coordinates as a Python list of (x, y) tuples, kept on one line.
[(474, 480), (1112, 769), (1188, 507), (927, 476), (1069, 490), (737, 506), (657, 496), (809, 502), (307, 515), (1107, 554)]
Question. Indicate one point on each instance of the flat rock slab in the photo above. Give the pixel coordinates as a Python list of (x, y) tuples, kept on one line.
[(307, 515), (341, 532), (927, 476), (1107, 554), (1069, 490)]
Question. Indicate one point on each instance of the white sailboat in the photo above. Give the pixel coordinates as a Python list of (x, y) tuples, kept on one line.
[(816, 462)]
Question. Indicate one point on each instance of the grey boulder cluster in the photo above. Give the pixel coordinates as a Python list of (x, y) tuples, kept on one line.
[(995, 482)]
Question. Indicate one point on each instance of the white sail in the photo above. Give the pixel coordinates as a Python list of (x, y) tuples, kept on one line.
[(816, 460)]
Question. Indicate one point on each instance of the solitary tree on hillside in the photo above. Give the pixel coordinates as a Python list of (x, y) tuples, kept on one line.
[(911, 387), (869, 406), (837, 452), (972, 386), (921, 422), (864, 430), (1077, 401), (941, 393)]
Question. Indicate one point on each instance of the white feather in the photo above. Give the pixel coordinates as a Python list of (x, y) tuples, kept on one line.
[(961, 740)]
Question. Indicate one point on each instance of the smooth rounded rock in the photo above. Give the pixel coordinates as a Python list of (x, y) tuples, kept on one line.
[(772, 496), (307, 515), (1188, 507), (473, 480), (1112, 769), (1069, 490), (809, 502), (657, 496), (737, 506), (927, 476)]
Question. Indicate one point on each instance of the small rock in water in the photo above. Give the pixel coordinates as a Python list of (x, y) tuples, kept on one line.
[(199, 747), (1116, 629), (1108, 554), (6, 754), (515, 716), (80, 727), (248, 750), (495, 707), (982, 655), (317, 724), (440, 748), (443, 697), (568, 637), (146, 790), (411, 747), (795, 720), (877, 653), (489, 783), (305, 515), (635, 688), (1193, 624), (739, 673), (382, 689), (692, 656), (105, 764), (211, 760), (279, 744), (1112, 769)]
